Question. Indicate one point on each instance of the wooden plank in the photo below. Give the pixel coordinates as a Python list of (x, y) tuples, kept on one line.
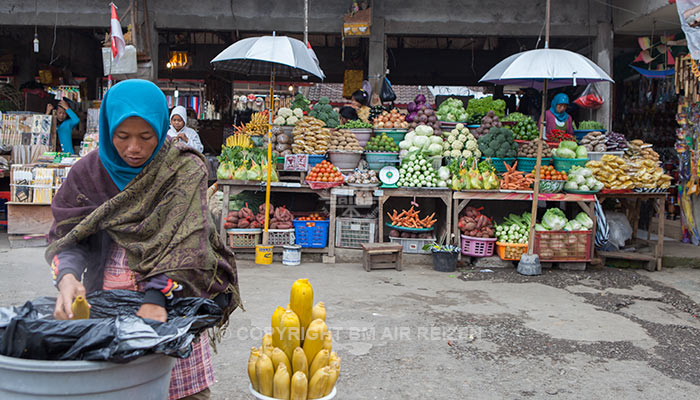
[(383, 266), (28, 219), (381, 246), (382, 258), (660, 206), (627, 255)]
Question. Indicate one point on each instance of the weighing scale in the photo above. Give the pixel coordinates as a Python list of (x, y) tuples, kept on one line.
[(389, 176)]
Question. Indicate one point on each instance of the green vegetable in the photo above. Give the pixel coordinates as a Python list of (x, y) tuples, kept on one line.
[(554, 219), (486, 104), (300, 102), (356, 124), (589, 126), (585, 221), (568, 144), (581, 152), (499, 142), (382, 143), (452, 110)]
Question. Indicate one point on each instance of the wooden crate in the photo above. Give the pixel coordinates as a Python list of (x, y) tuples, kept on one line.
[(381, 256)]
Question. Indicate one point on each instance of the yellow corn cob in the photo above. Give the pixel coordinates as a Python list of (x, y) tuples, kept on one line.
[(318, 383), (264, 373), (320, 361), (290, 333), (280, 384), (81, 308), (278, 357), (313, 338), (332, 379), (276, 318), (299, 361), (334, 364), (301, 300), (299, 386), (254, 354), (334, 357), (328, 341), (319, 311), (267, 345)]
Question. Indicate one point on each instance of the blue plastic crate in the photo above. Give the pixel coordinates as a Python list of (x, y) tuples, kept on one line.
[(311, 234), (315, 159)]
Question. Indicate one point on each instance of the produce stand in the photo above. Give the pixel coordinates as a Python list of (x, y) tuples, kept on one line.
[(632, 204), (445, 195)]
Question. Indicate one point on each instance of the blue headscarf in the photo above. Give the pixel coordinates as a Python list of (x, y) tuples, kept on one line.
[(130, 98), (560, 98)]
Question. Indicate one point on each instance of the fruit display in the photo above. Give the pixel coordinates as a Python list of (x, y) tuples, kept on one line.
[(390, 120), (258, 124), (514, 229), (488, 121), (312, 217), (422, 113), (459, 142), (281, 142), (513, 179), (615, 142), (310, 137), (475, 224), (569, 149), (300, 102), (417, 171), (499, 142), (557, 135), (525, 127), (297, 360), (323, 111), (411, 219), (382, 143), (548, 172), (344, 140), (288, 116), (452, 110), (529, 150), (638, 150), (239, 139), (595, 141), (582, 179), (324, 172), (589, 126), (421, 139), (485, 105), (363, 177), (356, 124)]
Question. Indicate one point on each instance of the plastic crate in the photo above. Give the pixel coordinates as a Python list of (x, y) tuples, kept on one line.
[(527, 164), (351, 233), (514, 250), (280, 237), (565, 164), (563, 245), (243, 238), (412, 245), (477, 247), (499, 163), (315, 159), (311, 234)]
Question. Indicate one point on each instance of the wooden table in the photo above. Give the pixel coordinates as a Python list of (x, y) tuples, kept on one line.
[(445, 195), (632, 203)]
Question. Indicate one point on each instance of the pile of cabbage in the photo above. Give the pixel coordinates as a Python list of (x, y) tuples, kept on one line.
[(421, 139), (569, 149), (554, 219), (287, 116), (582, 179), (452, 110), (459, 142)]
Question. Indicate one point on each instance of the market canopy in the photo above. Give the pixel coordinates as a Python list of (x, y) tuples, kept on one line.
[(259, 56), (560, 67)]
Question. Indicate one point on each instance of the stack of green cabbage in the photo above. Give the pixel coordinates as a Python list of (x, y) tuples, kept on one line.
[(421, 139), (452, 110), (582, 179), (555, 220), (569, 149), (459, 142)]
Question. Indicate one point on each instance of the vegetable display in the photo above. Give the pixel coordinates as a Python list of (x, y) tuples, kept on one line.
[(595, 141), (382, 143), (589, 126), (525, 127), (452, 110), (391, 120), (516, 180), (488, 121), (483, 177), (281, 142), (615, 173), (324, 112), (417, 171), (569, 149), (411, 219), (554, 219), (499, 142), (557, 135), (486, 104), (582, 179), (288, 116), (421, 139), (363, 177), (258, 124), (548, 172), (356, 124), (475, 224), (280, 218), (376, 111), (529, 150), (422, 113), (616, 141), (310, 137), (300, 102), (459, 142), (514, 228), (324, 172), (344, 140), (638, 150), (244, 164)]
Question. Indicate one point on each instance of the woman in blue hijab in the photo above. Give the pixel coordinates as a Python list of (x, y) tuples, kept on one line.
[(133, 216), (557, 118)]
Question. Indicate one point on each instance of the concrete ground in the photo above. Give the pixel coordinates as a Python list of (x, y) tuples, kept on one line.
[(419, 334)]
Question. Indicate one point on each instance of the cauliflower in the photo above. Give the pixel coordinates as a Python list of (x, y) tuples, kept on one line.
[(462, 138), (446, 145), (471, 137), (451, 139), (279, 121), (455, 153), (292, 120), (460, 126), (284, 112), (466, 153), (457, 145), (471, 145), (446, 153), (299, 113), (477, 153), (454, 132)]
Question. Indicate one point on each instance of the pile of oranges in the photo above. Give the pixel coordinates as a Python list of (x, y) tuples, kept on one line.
[(312, 217), (324, 172), (549, 173)]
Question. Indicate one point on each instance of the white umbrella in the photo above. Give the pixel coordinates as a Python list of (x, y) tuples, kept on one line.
[(559, 67), (288, 57)]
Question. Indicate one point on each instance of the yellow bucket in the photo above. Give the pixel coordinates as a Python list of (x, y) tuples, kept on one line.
[(263, 254)]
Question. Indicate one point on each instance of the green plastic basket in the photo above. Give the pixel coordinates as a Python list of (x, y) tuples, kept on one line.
[(500, 163), (526, 164), (565, 164)]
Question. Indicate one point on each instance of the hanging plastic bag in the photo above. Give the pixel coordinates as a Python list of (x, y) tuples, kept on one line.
[(112, 333), (387, 93), (590, 98)]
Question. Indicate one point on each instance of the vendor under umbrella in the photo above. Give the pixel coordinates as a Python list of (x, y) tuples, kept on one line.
[(557, 117)]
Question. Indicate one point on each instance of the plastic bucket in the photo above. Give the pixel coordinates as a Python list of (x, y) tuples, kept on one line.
[(444, 261), (291, 255), (146, 378), (263, 254)]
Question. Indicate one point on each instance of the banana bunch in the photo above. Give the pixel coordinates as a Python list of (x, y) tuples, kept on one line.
[(239, 139), (299, 347), (258, 124)]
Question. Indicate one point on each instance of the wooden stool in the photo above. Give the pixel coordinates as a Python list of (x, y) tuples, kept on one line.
[(381, 256)]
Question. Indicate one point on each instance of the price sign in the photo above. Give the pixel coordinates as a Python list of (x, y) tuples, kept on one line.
[(296, 162)]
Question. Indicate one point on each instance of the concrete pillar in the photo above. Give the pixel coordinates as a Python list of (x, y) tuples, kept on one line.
[(603, 56), (154, 43), (377, 49)]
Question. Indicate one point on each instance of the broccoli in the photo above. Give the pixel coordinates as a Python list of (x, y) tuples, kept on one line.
[(324, 100)]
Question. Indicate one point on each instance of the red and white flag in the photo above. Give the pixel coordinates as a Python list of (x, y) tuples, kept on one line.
[(118, 43)]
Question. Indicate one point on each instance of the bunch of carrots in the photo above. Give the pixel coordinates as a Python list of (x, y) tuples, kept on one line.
[(516, 180), (409, 219)]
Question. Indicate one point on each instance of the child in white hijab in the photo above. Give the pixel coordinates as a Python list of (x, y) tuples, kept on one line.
[(179, 131)]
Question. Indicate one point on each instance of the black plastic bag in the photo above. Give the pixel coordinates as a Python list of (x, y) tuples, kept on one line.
[(113, 332), (387, 93)]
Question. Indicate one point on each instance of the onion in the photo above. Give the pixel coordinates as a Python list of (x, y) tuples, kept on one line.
[(420, 99), (412, 116), (432, 118), (411, 107), (429, 111), (423, 118)]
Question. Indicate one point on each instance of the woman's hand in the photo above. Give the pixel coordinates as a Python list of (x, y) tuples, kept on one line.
[(182, 137), (153, 311), (68, 289), (63, 105)]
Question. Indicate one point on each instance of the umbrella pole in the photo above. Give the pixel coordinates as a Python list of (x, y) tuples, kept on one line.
[(271, 111)]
